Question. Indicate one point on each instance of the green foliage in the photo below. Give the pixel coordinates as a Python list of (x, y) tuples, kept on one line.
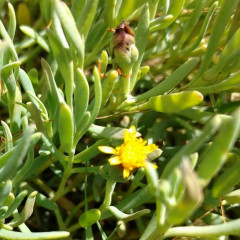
[(69, 84)]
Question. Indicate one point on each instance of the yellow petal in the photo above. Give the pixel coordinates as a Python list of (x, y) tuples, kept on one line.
[(114, 161), (126, 136), (150, 148), (130, 134), (126, 173), (132, 129), (107, 150), (154, 165)]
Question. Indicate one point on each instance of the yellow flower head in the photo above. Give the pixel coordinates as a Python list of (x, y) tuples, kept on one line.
[(131, 154)]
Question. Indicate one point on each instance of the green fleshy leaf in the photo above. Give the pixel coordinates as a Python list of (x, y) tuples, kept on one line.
[(175, 102)]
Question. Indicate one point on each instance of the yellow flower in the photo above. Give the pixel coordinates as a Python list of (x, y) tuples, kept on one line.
[(131, 154)]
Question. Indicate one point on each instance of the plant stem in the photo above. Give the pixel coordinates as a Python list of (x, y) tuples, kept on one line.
[(73, 227), (108, 195), (60, 222), (205, 231), (67, 173)]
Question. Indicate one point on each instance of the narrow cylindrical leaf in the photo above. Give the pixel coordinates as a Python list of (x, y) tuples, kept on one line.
[(5, 157), (38, 103), (133, 200), (192, 196), (12, 22), (8, 78), (5, 189), (224, 229), (175, 102), (8, 136), (83, 128), (175, 181), (6, 234), (36, 117), (161, 22), (141, 41), (16, 202), (98, 95), (229, 49), (152, 176), (192, 22), (53, 89), (86, 17), (45, 202), (174, 10), (22, 172), (3, 210), (51, 80), (66, 127), (111, 10), (27, 210), (127, 217), (171, 81), (7, 38), (26, 82), (70, 28), (69, 82), (88, 218), (142, 72), (77, 7), (104, 57), (202, 31), (151, 228), (108, 85), (9, 199), (16, 158), (56, 24), (17, 110), (225, 182), (226, 84), (222, 143), (235, 23), (81, 97), (128, 7), (30, 32), (110, 186), (217, 31), (64, 61), (201, 116)]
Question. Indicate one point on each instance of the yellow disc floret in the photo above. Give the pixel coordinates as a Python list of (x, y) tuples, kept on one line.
[(131, 154)]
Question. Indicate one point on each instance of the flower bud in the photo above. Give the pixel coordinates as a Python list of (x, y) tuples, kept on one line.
[(124, 51)]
